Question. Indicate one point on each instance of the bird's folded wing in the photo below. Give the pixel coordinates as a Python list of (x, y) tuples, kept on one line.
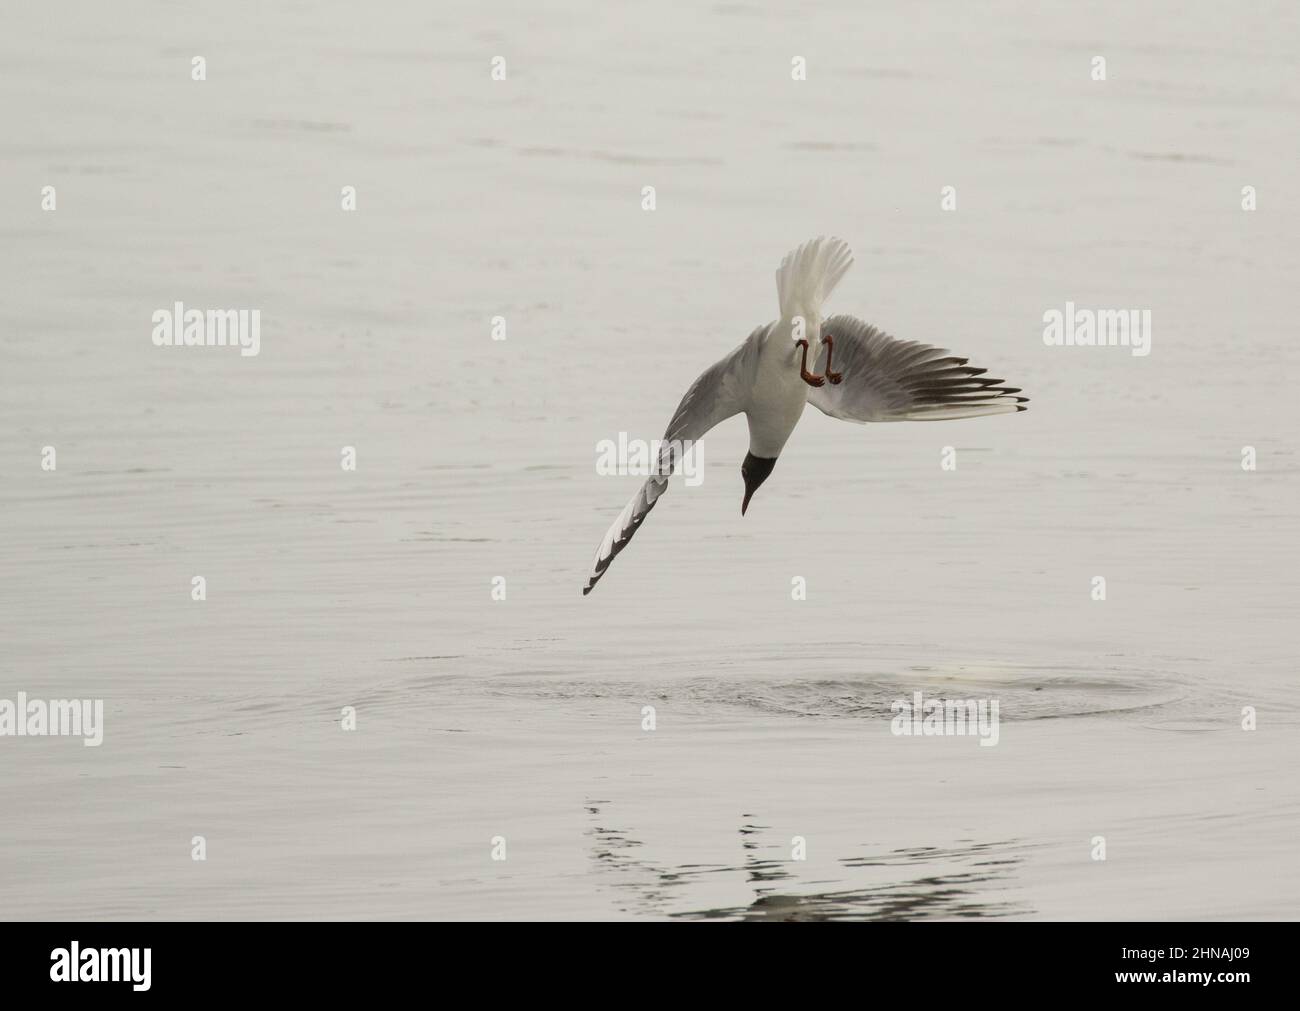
[(713, 398), (886, 379)]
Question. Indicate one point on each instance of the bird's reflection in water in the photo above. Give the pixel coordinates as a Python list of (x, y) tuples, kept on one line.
[(959, 882)]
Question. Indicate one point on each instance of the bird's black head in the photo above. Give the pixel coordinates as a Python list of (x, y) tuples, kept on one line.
[(754, 470)]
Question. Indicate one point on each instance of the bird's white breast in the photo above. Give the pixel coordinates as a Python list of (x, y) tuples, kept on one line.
[(779, 395)]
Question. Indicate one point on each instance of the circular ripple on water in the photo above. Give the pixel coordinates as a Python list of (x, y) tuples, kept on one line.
[(1021, 693)]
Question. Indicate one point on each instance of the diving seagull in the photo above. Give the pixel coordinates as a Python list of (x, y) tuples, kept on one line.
[(876, 378)]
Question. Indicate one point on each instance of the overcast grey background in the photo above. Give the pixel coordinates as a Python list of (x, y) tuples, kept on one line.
[(476, 459)]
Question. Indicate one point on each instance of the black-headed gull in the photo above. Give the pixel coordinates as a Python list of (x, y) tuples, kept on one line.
[(876, 378)]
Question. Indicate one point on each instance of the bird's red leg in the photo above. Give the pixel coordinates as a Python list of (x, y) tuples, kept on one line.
[(834, 377), (804, 374)]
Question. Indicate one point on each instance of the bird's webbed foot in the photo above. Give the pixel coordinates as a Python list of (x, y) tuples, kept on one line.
[(804, 374), (835, 377)]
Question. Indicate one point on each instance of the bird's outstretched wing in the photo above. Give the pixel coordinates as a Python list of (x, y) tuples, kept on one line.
[(713, 398), (886, 379)]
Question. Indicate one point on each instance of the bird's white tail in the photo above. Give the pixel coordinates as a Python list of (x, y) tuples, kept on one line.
[(809, 274)]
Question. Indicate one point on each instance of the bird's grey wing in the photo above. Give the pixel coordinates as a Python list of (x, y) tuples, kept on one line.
[(716, 396), (886, 379)]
